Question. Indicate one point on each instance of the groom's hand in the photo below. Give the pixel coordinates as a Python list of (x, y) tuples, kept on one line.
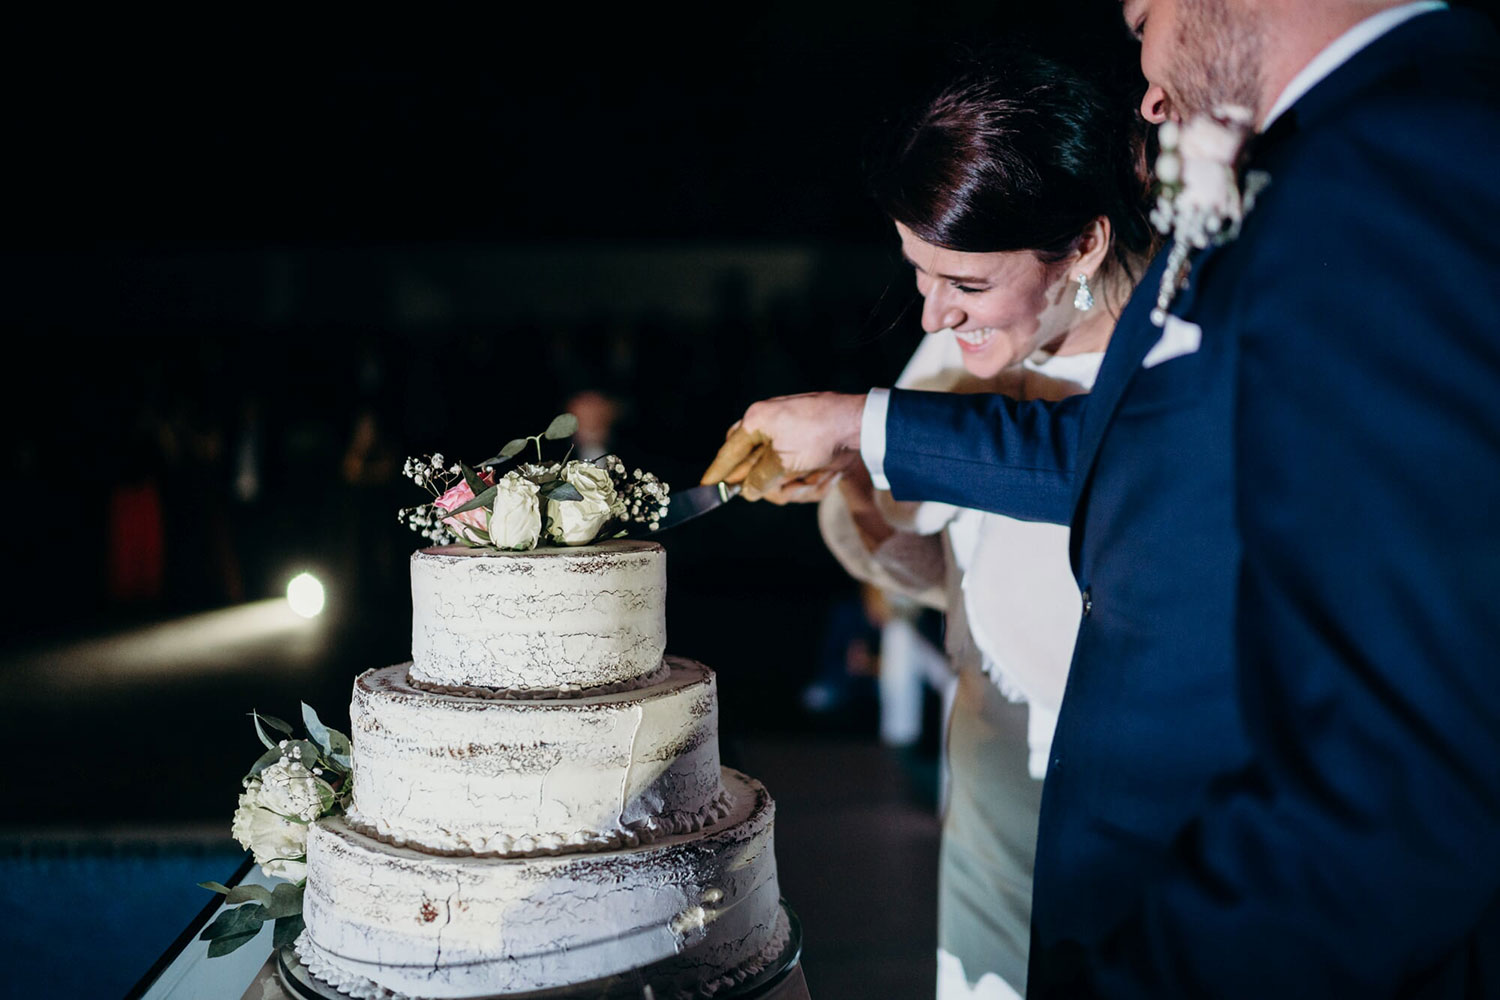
[(787, 449)]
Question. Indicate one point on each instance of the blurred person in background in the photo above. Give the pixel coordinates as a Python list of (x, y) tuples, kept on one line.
[(597, 414)]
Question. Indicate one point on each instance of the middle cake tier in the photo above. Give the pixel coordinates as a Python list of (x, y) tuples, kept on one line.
[(462, 774)]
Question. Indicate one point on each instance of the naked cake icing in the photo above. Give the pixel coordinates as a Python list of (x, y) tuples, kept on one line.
[(538, 797)]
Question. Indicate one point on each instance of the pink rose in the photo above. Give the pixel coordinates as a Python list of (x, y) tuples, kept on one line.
[(460, 524)]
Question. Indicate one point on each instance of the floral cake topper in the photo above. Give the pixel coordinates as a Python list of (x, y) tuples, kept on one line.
[(1200, 200), (533, 503)]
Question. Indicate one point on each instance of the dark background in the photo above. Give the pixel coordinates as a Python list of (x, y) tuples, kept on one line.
[(224, 253), (259, 247), (216, 260)]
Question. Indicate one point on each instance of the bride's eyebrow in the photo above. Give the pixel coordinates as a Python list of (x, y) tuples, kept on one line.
[(963, 279)]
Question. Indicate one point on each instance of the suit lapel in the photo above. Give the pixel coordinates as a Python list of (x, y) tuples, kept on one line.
[(1133, 338)]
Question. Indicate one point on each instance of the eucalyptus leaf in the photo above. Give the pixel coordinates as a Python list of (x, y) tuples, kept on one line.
[(315, 727), (287, 929), (559, 489), (264, 761), (249, 894), (224, 945), (512, 449), (218, 887), (261, 721), (338, 743), (285, 901), (482, 500), (342, 760), (326, 797), (476, 485), (563, 425), (236, 921)]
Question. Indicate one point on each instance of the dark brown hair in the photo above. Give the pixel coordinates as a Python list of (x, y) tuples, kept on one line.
[(1020, 152)]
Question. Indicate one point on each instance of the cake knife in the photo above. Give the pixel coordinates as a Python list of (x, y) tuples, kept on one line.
[(688, 504)]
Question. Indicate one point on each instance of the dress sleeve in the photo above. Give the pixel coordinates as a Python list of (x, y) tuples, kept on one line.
[(907, 563)]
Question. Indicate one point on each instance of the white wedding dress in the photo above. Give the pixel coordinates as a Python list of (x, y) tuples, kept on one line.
[(1012, 611)]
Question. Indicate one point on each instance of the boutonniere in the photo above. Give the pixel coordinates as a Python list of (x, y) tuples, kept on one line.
[(1200, 200)]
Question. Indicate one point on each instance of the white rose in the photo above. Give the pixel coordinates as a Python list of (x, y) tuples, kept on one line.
[(593, 483), (279, 845), (286, 787), (239, 827), (1203, 138), (1209, 198), (516, 522), (1168, 168), (576, 522)]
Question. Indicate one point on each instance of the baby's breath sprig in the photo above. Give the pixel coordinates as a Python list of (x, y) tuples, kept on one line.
[(645, 497), (430, 473), (427, 521)]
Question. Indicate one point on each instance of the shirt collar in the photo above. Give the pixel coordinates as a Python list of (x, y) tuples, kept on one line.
[(1342, 49)]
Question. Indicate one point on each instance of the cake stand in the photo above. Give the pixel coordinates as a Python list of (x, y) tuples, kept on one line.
[(781, 978)]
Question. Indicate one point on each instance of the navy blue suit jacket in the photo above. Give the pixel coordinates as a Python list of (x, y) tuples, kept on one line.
[(1277, 767)]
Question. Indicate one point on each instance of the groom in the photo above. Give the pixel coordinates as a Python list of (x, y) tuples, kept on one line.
[(1277, 768)]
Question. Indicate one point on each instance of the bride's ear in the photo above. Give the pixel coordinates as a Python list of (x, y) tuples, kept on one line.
[(1093, 247)]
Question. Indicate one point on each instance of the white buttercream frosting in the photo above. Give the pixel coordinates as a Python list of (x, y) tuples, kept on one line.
[(552, 620), (466, 775), (705, 904)]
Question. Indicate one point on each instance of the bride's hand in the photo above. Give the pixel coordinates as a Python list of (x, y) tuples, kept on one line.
[(808, 489), (788, 449), (859, 497)]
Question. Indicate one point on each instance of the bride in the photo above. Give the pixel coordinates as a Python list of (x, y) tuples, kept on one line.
[(1017, 196)]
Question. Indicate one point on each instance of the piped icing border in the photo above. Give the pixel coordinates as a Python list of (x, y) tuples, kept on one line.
[(644, 831), (775, 945), (656, 676)]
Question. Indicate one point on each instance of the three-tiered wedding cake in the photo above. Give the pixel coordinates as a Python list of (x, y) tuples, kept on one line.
[(538, 799)]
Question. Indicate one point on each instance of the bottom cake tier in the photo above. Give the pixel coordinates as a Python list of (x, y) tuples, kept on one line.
[(437, 926)]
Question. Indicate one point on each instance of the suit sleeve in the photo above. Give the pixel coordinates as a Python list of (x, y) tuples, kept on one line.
[(1359, 853), (989, 452)]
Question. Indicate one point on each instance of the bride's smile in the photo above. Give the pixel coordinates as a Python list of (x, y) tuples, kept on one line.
[(1001, 306)]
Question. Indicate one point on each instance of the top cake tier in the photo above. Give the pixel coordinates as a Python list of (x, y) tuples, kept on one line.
[(589, 618)]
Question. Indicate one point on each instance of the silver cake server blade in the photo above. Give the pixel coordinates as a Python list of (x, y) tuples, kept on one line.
[(688, 504)]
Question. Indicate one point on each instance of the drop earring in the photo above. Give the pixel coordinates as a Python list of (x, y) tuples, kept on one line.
[(1083, 299)]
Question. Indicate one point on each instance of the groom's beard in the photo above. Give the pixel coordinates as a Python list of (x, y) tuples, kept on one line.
[(1219, 46)]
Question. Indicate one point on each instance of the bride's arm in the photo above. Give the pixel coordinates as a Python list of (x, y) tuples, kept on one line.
[(870, 548)]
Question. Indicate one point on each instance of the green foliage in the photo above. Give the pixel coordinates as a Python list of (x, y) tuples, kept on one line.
[(262, 721), (564, 425), (558, 489), (265, 760), (233, 928), (287, 929), (511, 450), (247, 907), (481, 500), (475, 484)]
